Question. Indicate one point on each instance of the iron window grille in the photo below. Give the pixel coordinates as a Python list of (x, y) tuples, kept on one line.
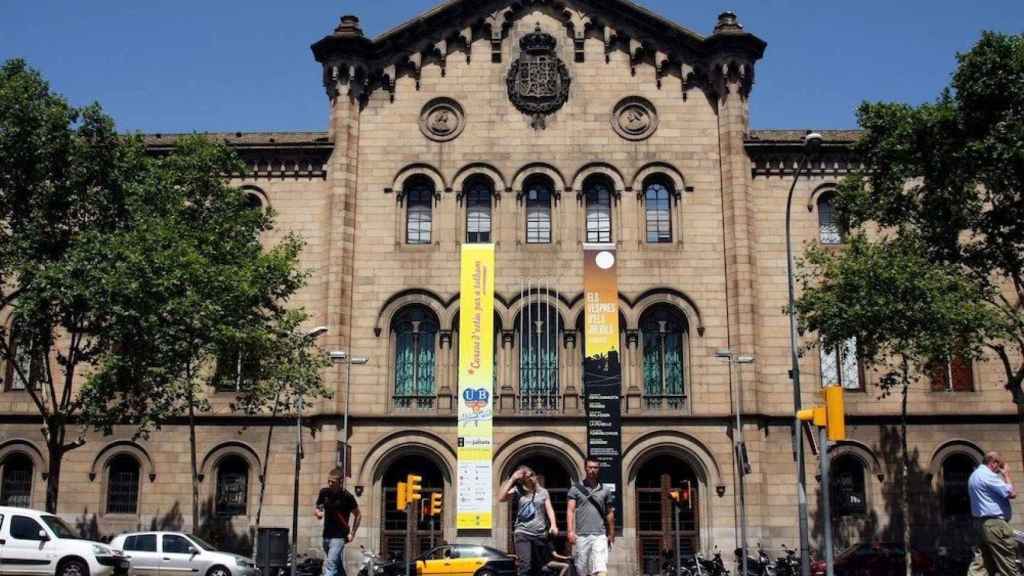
[(123, 486), (415, 333), (16, 489)]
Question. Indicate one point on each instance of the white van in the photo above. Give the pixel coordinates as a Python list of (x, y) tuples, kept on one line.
[(33, 542)]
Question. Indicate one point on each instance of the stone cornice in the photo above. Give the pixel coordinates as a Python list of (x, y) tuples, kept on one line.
[(778, 152), (267, 154)]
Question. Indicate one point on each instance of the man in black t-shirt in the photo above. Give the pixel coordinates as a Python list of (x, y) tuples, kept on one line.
[(335, 506)]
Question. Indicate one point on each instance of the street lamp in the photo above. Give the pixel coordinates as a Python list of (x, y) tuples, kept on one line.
[(740, 450), (308, 337), (342, 357), (812, 142)]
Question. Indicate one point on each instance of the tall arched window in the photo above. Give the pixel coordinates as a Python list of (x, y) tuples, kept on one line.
[(664, 330), (828, 226), (123, 485), (16, 487), (538, 193), (24, 368), (956, 471), (841, 366), (479, 194), (232, 497), (538, 331), (598, 193), (419, 205), (658, 209), (849, 497), (415, 332)]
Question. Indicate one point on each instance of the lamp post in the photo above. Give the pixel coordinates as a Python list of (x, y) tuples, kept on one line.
[(342, 357), (308, 336), (740, 450), (812, 142)]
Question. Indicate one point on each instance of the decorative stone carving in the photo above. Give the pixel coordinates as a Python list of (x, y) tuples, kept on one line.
[(634, 118), (538, 81), (442, 120)]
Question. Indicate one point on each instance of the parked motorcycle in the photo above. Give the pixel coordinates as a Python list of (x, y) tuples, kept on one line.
[(789, 564), (696, 565), (373, 565), (758, 564)]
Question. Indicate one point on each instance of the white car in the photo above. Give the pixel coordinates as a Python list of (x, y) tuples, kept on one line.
[(179, 554), (33, 542)]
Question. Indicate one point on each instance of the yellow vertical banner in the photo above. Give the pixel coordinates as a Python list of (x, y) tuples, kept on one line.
[(476, 387)]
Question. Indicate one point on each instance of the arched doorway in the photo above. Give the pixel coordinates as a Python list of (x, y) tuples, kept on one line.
[(553, 475), (394, 527), (655, 525)]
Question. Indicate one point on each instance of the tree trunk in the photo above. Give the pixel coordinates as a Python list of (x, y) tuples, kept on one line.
[(192, 454), (55, 455), (905, 477)]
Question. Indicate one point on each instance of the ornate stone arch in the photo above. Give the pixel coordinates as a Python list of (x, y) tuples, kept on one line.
[(28, 448), (690, 450), (594, 168), (539, 168), (114, 449), (669, 296), (550, 444), (232, 448), (949, 448), (419, 169), (660, 168), (862, 452), (480, 169), (409, 297), (254, 190), (819, 191)]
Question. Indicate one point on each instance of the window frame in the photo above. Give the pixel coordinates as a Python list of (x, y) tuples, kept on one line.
[(841, 354), (598, 227), (477, 191), (839, 509), (12, 378), (4, 482), (418, 195), (663, 224), (414, 401), (221, 509), (949, 375), (110, 505), (670, 313), (830, 233), (35, 533), (165, 537), (538, 183)]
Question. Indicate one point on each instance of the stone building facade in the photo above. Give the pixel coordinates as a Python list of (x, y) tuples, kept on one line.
[(538, 126)]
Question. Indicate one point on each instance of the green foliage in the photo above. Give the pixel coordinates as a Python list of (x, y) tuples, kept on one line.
[(944, 181)]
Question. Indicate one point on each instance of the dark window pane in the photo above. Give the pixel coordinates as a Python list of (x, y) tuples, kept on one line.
[(174, 544), (17, 481), (478, 212), (123, 486), (657, 205), (141, 543), (415, 331), (599, 211), (25, 528), (956, 471), (828, 228), (232, 487), (663, 331), (848, 493), (419, 216), (538, 212)]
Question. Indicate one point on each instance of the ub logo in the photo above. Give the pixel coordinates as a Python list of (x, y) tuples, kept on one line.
[(477, 399)]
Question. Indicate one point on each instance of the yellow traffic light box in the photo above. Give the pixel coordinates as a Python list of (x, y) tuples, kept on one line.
[(435, 504), (413, 487), (401, 501), (831, 416)]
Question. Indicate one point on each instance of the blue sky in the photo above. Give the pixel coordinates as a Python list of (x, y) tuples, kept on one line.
[(234, 65)]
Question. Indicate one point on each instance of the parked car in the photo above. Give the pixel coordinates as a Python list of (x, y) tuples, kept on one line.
[(876, 559), (178, 554), (33, 542)]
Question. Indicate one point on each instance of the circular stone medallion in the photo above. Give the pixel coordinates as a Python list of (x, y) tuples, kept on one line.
[(634, 118), (442, 120)]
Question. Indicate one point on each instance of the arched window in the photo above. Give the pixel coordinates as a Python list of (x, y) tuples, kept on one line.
[(849, 496), (840, 366), (123, 485), (253, 201), (656, 523), (658, 209), (956, 471), (828, 226), (415, 332), (232, 497), (538, 333), (664, 333), (24, 365), (419, 203), (538, 193), (599, 209), (16, 488), (479, 195)]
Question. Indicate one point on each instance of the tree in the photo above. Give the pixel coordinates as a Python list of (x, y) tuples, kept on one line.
[(65, 180), (196, 299), (904, 311), (951, 174)]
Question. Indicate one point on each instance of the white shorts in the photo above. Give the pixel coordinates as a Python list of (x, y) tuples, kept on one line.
[(591, 555)]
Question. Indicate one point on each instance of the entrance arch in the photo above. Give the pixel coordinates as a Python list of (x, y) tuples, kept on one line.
[(394, 525), (553, 474), (655, 522)]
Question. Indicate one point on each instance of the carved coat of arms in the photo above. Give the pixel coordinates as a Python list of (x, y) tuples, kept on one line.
[(538, 81)]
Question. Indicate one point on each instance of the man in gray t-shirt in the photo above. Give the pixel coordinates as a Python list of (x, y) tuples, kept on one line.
[(535, 519), (591, 522)]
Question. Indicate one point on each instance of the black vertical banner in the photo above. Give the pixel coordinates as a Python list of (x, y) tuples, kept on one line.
[(602, 371)]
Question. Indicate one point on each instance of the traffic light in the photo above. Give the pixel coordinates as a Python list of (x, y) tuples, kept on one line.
[(831, 416), (435, 504), (413, 487), (402, 499), (681, 496)]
